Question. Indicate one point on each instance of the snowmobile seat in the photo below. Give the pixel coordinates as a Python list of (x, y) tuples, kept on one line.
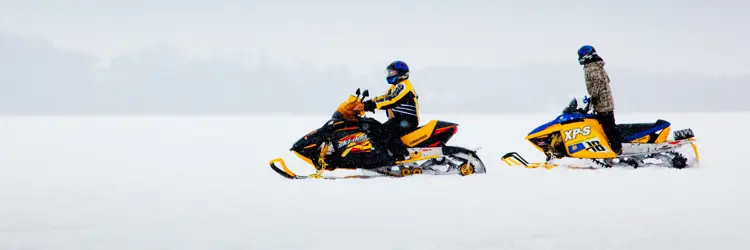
[(419, 134), (634, 131), (432, 132)]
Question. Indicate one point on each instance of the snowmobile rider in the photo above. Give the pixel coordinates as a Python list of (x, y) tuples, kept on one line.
[(400, 103), (597, 84)]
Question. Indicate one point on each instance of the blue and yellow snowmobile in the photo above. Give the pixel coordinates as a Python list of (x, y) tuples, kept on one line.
[(576, 133)]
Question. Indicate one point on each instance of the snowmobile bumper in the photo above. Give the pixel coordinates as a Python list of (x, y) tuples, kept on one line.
[(286, 173)]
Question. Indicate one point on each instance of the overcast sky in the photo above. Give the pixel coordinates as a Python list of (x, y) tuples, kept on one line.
[(330, 38)]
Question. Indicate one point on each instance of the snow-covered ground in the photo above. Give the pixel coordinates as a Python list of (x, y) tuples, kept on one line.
[(204, 183)]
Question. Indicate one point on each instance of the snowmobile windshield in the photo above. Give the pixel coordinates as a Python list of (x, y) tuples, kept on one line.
[(572, 106)]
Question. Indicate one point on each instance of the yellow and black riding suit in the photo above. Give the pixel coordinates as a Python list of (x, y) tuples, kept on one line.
[(402, 108)]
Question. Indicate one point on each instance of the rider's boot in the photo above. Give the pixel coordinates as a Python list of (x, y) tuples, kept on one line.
[(398, 149)]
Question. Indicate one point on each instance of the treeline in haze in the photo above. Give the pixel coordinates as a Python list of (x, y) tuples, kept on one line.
[(38, 79)]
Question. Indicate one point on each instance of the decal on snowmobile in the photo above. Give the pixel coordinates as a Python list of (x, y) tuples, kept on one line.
[(353, 138), (355, 143), (420, 139), (573, 133), (419, 135), (590, 145)]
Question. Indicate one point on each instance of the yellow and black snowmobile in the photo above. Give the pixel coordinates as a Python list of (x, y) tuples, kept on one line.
[(344, 142), (578, 134)]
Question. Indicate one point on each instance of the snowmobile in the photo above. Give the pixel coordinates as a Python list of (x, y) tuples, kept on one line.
[(344, 142), (576, 133)]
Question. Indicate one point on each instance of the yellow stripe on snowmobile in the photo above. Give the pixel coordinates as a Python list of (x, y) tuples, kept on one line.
[(346, 152), (305, 159), (418, 159)]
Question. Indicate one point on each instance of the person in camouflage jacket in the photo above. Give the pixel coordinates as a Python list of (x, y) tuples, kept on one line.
[(597, 84)]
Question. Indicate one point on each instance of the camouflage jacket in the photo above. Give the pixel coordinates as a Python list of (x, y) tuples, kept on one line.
[(597, 83)]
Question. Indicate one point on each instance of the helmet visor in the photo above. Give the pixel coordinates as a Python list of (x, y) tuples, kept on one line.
[(392, 72)]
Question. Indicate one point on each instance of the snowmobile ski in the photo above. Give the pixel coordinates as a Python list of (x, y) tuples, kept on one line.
[(286, 173)]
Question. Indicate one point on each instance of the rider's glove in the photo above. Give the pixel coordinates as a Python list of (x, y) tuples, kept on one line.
[(370, 105)]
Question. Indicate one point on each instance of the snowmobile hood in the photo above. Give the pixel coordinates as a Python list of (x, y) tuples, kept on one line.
[(560, 119)]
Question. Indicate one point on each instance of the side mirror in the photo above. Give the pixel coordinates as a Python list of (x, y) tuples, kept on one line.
[(365, 94), (357, 92)]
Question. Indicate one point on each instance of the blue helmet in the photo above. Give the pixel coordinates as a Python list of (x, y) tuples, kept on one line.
[(397, 71), (587, 54)]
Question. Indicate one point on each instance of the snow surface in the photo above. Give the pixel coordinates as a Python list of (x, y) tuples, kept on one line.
[(204, 183)]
